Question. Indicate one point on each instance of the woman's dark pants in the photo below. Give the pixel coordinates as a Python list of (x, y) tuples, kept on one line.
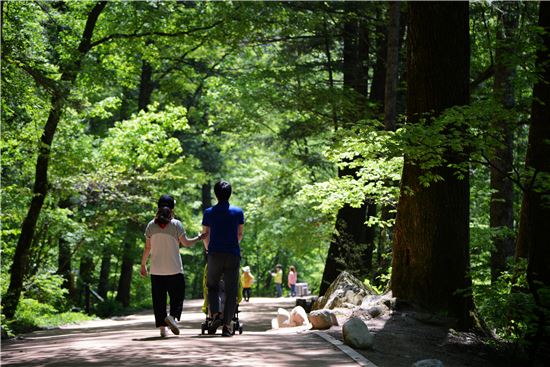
[(174, 286)]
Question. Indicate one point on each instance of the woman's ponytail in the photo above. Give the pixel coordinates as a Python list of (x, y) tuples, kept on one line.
[(164, 215)]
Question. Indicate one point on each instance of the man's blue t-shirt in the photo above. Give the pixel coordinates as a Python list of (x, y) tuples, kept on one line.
[(223, 220)]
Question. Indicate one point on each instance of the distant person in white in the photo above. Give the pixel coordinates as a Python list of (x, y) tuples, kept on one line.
[(163, 236)]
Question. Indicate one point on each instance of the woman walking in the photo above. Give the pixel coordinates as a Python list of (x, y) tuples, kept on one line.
[(292, 277), (163, 236)]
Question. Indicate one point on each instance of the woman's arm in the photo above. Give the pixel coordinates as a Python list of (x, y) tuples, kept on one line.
[(146, 252), (188, 242)]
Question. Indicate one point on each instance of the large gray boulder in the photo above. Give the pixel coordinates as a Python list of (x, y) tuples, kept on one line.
[(344, 289), (356, 334), (322, 319)]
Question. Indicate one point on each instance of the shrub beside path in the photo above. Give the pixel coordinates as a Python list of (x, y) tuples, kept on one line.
[(134, 341)]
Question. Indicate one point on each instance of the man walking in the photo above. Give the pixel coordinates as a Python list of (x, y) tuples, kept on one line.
[(223, 227)]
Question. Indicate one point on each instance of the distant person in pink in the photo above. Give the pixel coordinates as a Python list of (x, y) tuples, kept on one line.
[(292, 277)]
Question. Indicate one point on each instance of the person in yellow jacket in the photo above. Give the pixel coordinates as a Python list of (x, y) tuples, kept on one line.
[(278, 279), (247, 279)]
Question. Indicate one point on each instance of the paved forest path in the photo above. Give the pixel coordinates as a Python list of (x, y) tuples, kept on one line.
[(133, 341)]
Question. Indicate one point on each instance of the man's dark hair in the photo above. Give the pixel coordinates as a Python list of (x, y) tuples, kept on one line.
[(222, 189)]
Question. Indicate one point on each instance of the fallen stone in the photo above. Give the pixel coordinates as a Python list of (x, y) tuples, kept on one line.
[(322, 319), (428, 363), (356, 334), (344, 289), (377, 310)]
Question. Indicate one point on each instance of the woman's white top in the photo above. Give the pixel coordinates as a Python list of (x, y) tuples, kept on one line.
[(165, 245)]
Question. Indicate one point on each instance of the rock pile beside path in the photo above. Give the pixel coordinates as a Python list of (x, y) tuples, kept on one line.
[(348, 302), (345, 291)]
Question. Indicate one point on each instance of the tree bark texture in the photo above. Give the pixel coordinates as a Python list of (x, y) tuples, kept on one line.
[(206, 195), (431, 243), (40, 188), (85, 273), (146, 86), (351, 246), (104, 272), (502, 197), (377, 89), (64, 268), (535, 209), (355, 62), (125, 280), (390, 104), (392, 67)]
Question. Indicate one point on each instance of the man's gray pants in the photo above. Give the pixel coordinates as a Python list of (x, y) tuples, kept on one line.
[(228, 266)]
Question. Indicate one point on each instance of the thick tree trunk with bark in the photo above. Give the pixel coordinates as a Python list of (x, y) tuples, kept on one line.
[(501, 208), (64, 268), (378, 84), (125, 280), (392, 67), (146, 86), (104, 272), (431, 243), (390, 106), (85, 274), (533, 236), (535, 209), (40, 188), (206, 195), (351, 246)]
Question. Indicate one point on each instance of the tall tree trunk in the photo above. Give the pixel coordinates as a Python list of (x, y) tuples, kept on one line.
[(64, 268), (431, 243), (146, 86), (535, 210), (40, 188), (377, 89), (129, 254), (125, 280), (392, 67), (351, 246), (206, 195), (105, 271), (501, 207), (85, 273), (390, 104)]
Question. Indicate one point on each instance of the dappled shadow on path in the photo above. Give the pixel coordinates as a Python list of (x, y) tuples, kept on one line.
[(133, 341)]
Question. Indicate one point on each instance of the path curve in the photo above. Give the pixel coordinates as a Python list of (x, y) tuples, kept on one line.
[(133, 341)]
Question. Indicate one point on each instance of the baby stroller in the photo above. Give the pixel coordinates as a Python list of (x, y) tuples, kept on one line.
[(236, 325)]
